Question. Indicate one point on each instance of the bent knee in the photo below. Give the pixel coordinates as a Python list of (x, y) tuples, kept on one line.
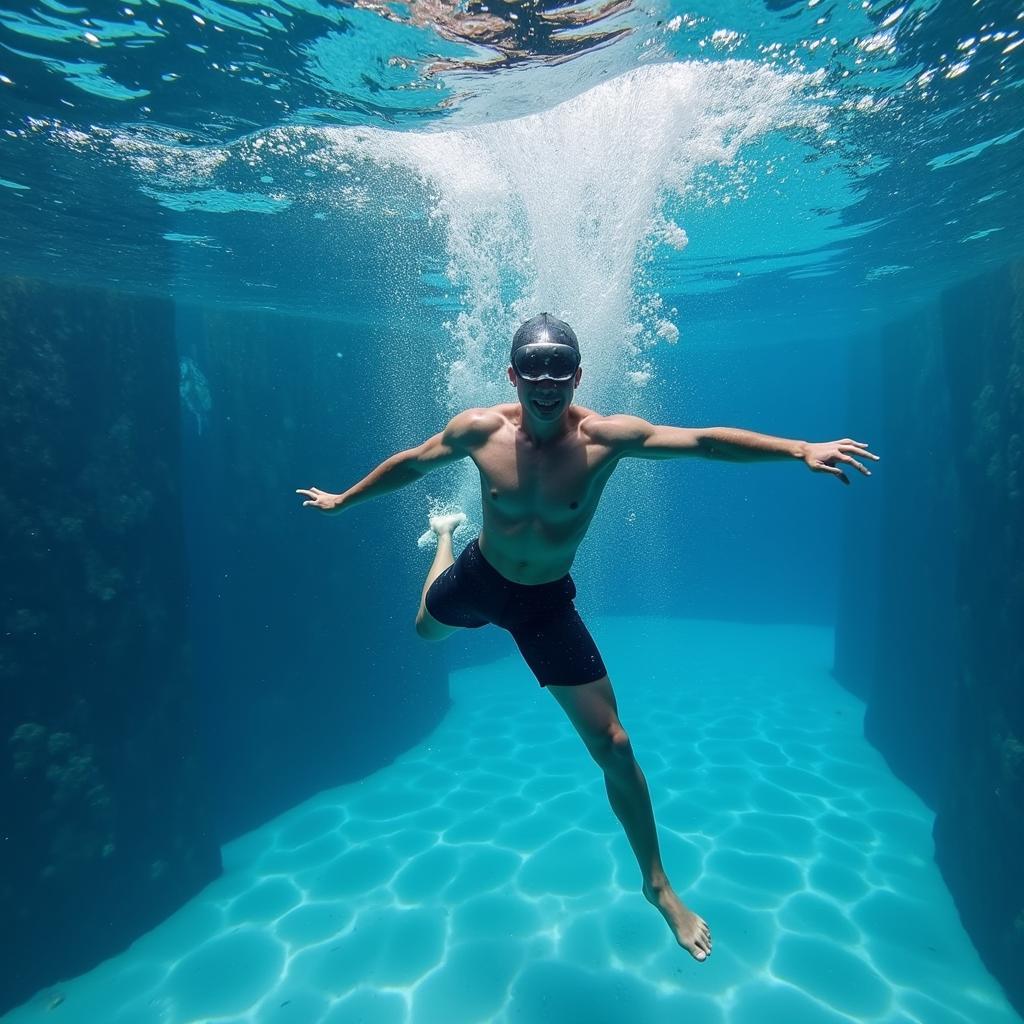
[(612, 747), (430, 629)]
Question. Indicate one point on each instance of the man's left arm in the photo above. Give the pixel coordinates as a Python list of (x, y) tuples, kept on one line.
[(635, 437)]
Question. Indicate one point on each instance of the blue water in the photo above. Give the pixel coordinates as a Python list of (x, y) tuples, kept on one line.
[(482, 876), (885, 166), (351, 207)]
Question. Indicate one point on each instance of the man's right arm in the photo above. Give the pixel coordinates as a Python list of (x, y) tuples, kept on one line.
[(458, 439)]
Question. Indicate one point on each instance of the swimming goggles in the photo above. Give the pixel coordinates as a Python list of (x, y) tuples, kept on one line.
[(554, 362)]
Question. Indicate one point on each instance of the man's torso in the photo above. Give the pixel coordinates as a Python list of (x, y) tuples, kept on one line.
[(538, 500)]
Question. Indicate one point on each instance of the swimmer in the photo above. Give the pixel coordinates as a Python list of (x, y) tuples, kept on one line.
[(543, 464)]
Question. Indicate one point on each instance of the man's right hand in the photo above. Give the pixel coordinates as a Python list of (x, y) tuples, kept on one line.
[(326, 502)]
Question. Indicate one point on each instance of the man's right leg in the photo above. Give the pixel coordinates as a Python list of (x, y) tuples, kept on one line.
[(592, 709), (426, 625)]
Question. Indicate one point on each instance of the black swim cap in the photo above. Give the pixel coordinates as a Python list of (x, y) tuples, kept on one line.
[(544, 329)]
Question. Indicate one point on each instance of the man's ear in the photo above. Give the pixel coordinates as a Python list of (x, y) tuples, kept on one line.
[(579, 376), (511, 376)]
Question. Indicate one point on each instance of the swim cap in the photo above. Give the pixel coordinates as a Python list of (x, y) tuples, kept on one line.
[(544, 329)]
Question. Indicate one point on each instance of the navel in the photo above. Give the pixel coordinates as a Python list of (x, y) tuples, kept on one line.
[(494, 494), (574, 504)]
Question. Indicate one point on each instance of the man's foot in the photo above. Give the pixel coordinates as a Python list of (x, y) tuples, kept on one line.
[(691, 931), (447, 524)]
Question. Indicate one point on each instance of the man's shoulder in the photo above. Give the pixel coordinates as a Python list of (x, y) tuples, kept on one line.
[(615, 429), (478, 422)]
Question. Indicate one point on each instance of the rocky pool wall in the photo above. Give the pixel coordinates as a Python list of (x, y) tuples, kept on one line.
[(186, 652), (929, 629), (103, 788)]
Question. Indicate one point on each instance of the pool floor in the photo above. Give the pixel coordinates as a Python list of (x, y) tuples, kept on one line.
[(482, 876)]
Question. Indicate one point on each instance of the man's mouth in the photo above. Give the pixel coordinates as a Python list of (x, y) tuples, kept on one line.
[(546, 403)]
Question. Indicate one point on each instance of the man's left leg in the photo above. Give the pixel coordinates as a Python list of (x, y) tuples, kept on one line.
[(592, 710), (443, 526)]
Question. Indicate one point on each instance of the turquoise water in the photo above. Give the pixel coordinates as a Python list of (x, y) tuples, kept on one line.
[(823, 161), (482, 876), (249, 247)]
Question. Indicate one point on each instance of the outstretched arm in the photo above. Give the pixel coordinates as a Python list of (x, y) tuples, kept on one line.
[(455, 442), (633, 436)]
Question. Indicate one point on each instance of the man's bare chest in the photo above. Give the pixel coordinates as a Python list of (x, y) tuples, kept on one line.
[(554, 484)]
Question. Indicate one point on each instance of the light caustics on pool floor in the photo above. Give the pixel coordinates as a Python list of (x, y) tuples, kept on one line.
[(483, 877)]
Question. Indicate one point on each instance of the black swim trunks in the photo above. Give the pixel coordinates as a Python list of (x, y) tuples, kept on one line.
[(542, 618)]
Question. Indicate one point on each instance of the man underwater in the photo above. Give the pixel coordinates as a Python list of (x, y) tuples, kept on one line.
[(543, 464)]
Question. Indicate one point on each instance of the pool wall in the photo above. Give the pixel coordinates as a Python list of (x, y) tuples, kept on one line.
[(940, 657), (103, 787)]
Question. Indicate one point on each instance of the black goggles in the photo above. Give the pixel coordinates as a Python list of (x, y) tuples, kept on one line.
[(555, 362)]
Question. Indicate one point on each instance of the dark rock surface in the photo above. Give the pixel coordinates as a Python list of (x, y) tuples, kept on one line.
[(932, 599), (157, 703), (105, 828), (979, 832)]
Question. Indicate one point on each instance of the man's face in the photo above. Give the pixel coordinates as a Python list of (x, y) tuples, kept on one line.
[(545, 399)]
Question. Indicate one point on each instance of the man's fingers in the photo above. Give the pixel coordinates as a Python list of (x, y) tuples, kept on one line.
[(313, 493), (860, 450), (824, 467), (854, 462)]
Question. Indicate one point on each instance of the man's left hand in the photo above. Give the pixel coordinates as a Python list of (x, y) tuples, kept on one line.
[(824, 457)]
